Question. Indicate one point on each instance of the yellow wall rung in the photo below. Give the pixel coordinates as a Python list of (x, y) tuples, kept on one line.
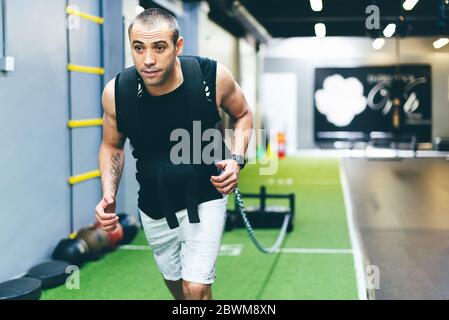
[(85, 69), (73, 235), (84, 15), (85, 123), (84, 177)]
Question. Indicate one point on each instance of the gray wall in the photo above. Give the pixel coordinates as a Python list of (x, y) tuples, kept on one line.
[(302, 56), (34, 109)]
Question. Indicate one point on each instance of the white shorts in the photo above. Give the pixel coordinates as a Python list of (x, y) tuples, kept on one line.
[(190, 251)]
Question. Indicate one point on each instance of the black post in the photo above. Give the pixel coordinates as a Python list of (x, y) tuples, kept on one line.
[(263, 198)]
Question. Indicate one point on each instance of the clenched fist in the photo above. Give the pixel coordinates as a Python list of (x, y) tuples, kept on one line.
[(105, 214), (228, 180)]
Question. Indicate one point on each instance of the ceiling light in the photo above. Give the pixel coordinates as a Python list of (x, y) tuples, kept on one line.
[(409, 4), (440, 43), (320, 30), (389, 30), (316, 5), (378, 43)]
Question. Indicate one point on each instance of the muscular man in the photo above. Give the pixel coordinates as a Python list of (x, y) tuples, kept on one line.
[(182, 206)]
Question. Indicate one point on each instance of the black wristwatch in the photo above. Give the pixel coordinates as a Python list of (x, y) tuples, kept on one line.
[(240, 160)]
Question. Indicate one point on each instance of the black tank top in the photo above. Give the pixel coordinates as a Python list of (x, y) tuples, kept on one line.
[(159, 116)]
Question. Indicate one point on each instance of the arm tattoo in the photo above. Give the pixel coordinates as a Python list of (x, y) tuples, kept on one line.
[(116, 170)]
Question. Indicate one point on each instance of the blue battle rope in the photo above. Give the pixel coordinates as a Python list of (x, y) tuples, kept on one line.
[(252, 233)]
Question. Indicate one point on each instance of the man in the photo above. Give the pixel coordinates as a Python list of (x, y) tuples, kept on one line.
[(182, 207)]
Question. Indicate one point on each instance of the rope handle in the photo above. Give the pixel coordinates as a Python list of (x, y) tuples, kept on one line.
[(252, 233)]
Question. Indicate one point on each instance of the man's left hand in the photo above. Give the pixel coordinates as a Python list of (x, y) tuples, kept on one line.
[(229, 178)]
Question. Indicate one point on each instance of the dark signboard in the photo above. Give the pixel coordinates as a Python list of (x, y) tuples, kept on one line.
[(356, 103)]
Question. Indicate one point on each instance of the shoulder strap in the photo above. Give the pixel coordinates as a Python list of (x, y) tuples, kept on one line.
[(195, 88), (126, 99)]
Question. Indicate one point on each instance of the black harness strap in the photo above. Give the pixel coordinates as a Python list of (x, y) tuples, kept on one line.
[(125, 98), (126, 104), (194, 86), (195, 89), (170, 214)]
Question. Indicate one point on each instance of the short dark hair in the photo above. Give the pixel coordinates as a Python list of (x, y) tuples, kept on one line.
[(154, 17)]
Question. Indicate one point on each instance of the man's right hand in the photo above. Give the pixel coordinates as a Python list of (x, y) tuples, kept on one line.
[(105, 214)]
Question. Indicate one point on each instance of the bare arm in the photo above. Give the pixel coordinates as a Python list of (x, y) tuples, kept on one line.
[(111, 155), (111, 158), (232, 100)]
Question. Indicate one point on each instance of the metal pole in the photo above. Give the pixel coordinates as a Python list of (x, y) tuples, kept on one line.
[(69, 103), (3, 17)]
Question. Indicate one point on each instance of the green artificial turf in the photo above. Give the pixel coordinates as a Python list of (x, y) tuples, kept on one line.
[(320, 223)]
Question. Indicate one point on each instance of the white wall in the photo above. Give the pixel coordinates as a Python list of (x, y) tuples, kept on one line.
[(248, 72), (248, 81), (216, 43), (303, 55), (129, 13)]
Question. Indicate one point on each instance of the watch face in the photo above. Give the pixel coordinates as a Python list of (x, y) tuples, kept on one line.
[(240, 160)]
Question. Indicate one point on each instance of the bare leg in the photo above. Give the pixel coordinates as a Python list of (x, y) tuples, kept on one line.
[(175, 288), (196, 291)]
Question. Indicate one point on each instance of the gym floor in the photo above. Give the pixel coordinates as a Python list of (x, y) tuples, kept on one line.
[(401, 209), (317, 260)]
